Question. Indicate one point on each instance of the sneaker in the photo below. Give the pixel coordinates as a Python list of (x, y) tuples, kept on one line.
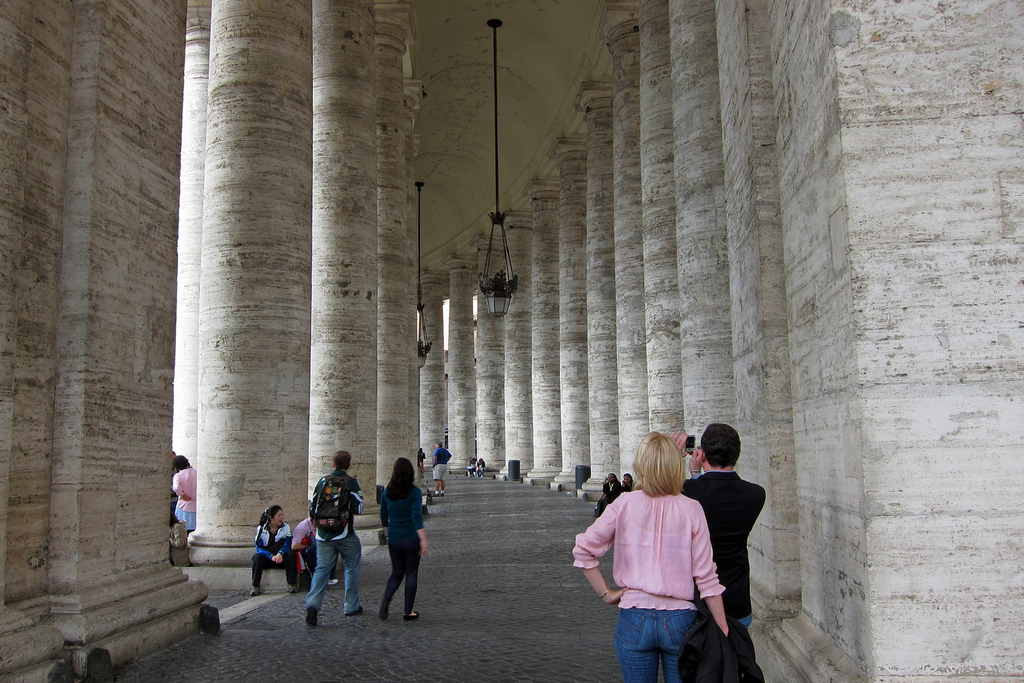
[(292, 588), (255, 590), (311, 616), (332, 582), (437, 493), (356, 613)]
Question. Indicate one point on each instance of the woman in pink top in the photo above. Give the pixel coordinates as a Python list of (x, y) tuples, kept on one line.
[(661, 548), (184, 484)]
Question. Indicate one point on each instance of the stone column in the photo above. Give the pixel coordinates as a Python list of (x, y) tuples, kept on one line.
[(108, 580), (701, 233), (519, 345), (490, 364), (571, 155), (254, 295), (190, 234), (343, 352), (432, 390), (595, 99), (34, 87), (661, 275), (393, 328), (622, 32), (462, 275), (547, 421), (413, 90), (763, 398)]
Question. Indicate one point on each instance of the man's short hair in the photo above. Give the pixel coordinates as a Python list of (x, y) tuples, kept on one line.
[(342, 460), (721, 445)]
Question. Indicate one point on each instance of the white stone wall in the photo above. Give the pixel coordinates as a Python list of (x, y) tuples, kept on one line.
[(901, 140)]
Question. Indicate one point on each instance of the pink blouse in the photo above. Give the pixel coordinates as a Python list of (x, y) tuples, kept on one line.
[(184, 482), (661, 546)]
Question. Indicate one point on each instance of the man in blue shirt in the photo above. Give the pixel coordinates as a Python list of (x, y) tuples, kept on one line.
[(440, 462), (330, 544)]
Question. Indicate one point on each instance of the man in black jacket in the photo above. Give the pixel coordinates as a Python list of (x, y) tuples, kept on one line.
[(731, 506)]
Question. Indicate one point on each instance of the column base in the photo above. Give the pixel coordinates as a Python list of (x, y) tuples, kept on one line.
[(133, 627), (564, 477), (30, 653), (540, 474)]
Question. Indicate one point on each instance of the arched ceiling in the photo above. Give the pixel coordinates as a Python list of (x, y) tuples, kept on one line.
[(545, 49)]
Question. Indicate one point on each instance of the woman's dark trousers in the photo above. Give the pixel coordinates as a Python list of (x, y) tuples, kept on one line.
[(405, 561), (261, 562)]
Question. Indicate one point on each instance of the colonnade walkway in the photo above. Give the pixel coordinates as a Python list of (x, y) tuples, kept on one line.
[(498, 596)]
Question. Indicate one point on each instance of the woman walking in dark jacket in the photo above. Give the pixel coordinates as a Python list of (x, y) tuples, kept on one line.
[(401, 512)]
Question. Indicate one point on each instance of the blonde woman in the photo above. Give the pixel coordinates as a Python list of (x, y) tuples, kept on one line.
[(661, 548)]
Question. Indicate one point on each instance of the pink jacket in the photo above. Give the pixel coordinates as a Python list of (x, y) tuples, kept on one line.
[(661, 546), (184, 482)]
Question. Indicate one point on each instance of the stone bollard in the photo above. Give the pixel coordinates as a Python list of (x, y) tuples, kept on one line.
[(209, 620), (98, 667)]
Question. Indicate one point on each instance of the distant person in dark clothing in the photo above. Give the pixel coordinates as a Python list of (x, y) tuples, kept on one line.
[(420, 458), (401, 513), (609, 492), (627, 482), (731, 506)]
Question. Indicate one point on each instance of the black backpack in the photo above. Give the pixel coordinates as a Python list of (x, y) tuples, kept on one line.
[(330, 510)]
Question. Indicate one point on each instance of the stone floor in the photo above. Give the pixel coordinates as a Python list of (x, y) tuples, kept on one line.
[(499, 599)]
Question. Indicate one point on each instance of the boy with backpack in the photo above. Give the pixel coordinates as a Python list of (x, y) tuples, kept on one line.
[(335, 503)]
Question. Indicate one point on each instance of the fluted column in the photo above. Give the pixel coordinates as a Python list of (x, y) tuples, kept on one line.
[(547, 420), (620, 25), (701, 232), (490, 364), (432, 389), (184, 435), (462, 275), (343, 353), (571, 155), (519, 345), (657, 174), (254, 297), (595, 99), (393, 329)]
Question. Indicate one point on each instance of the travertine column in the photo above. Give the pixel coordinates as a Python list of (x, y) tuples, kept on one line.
[(595, 99), (432, 389), (661, 275), (519, 345), (108, 580), (393, 328), (190, 234), (343, 352), (34, 88), (547, 421), (621, 30), (490, 364), (764, 407), (701, 233), (413, 91), (462, 275), (571, 155), (254, 296)]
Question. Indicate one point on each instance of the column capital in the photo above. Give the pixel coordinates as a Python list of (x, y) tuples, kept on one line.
[(394, 25), (434, 278), (413, 93), (414, 142), (543, 189), (594, 95), (567, 149), (480, 242), (519, 220), (621, 24), (462, 262)]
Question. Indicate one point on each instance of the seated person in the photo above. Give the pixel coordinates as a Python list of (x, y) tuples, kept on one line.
[(304, 546), (178, 539), (481, 467), (273, 549), (627, 482), (610, 491)]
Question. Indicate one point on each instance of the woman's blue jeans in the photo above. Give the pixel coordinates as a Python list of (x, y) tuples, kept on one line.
[(645, 636)]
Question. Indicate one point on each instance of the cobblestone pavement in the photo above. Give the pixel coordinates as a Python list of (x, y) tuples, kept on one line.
[(499, 599)]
